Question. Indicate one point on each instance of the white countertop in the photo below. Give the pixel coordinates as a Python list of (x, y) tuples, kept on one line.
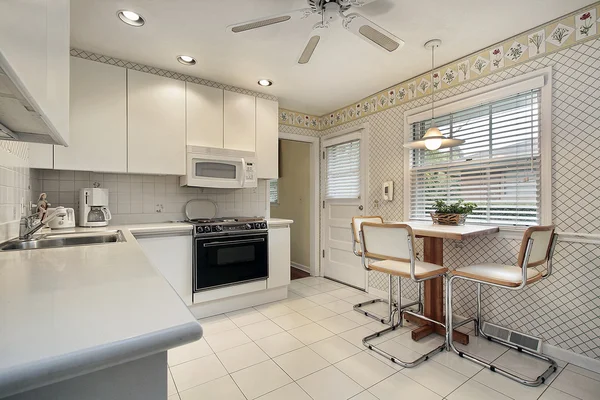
[(279, 221), (66, 312)]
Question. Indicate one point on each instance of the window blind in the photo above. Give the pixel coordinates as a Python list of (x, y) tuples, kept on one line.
[(498, 167), (343, 171), (273, 191)]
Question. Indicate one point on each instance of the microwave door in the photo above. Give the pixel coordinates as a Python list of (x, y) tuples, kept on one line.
[(217, 173)]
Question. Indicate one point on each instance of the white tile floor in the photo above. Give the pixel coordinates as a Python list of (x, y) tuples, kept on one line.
[(310, 347)]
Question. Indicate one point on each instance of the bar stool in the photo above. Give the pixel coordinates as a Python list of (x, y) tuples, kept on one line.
[(389, 248), (355, 227), (537, 248)]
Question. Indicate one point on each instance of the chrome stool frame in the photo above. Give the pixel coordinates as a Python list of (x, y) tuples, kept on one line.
[(477, 320), (400, 308), (393, 306)]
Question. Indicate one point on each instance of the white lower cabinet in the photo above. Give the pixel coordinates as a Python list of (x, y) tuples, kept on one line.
[(172, 256), (279, 256)]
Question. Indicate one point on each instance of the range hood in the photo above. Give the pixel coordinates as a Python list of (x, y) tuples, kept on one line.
[(21, 117)]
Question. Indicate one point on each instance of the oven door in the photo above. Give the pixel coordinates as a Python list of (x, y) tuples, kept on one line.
[(228, 260)]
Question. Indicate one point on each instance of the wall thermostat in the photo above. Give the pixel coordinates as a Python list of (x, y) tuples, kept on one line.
[(388, 191)]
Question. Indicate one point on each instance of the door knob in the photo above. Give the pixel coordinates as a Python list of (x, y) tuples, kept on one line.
[(360, 208)]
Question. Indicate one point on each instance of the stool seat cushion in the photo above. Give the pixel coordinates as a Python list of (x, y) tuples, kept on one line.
[(506, 275), (402, 269)]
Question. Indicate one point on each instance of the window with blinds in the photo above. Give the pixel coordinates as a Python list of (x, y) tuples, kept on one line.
[(273, 191), (498, 167), (343, 171)]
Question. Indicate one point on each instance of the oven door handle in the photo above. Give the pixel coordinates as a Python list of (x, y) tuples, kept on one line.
[(216, 244)]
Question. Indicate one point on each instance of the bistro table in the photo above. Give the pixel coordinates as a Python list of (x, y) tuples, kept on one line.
[(433, 237)]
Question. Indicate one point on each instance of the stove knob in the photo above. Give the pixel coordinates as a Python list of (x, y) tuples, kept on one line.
[(263, 225), (218, 228), (257, 225), (207, 229), (247, 226), (199, 229)]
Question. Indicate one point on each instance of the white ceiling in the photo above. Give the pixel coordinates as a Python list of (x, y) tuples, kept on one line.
[(343, 69)]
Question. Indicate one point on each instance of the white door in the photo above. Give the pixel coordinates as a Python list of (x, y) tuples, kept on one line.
[(239, 123), (156, 124), (98, 120), (204, 115), (344, 193)]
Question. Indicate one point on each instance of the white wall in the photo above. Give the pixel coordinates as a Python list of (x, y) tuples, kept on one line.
[(564, 309)]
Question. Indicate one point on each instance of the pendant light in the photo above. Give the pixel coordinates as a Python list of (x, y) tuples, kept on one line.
[(433, 138)]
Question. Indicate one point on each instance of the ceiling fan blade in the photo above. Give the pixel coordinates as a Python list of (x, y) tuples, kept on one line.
[(316, 36), (272, 20), (359, 3), (371, 32)]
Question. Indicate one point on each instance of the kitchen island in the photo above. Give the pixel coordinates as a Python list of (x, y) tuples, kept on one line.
[(88, 322)]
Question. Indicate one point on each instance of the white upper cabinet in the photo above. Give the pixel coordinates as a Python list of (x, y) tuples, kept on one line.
[(267, 139), (41, 156), (34, 42), (239, 121), (156, 125), (98, 119), (204, 106)]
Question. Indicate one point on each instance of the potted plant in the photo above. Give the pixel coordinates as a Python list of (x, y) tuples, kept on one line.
[(451, 214)]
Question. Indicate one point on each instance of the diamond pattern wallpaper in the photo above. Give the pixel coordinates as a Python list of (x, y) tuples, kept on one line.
[(565, 309)]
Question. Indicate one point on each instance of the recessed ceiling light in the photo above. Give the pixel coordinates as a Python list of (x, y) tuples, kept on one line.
[(186, 60), (265, 82), (131, 18)]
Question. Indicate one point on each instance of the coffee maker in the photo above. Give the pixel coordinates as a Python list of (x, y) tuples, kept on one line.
[(93, 207)]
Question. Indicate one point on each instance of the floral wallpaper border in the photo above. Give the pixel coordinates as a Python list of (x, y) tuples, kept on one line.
[(553, 36), (294, 118)]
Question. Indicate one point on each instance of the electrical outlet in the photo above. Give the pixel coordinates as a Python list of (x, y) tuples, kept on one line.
[(376, 204), (159, 208)]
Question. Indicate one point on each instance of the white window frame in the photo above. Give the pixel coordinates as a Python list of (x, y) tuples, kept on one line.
[(542, 79), (347, 135)]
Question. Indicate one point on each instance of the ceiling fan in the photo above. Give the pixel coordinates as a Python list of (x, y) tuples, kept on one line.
[(330, 11)]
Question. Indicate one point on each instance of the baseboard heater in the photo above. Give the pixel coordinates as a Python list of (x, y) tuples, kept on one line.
[(517, 338)]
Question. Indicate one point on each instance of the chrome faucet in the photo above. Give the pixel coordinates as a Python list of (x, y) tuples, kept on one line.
[(27, 229)]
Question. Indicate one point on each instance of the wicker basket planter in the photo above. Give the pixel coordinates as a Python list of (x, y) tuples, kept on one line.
[(448, 219)]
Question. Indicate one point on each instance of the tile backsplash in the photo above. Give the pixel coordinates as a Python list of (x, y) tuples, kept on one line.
[(146, 198)]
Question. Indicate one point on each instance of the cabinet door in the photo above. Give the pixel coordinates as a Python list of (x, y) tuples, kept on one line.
[(41, 156), (98, 119), (279, 257), (156, 124), (34, 39), (239, 122), (204, 106), (172, 256), (267, 139)]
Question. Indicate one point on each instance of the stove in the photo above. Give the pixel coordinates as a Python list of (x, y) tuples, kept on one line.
[(229, 251), (228, 226)]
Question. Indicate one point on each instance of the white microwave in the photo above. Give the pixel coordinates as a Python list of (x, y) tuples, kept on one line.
[(219, 168)]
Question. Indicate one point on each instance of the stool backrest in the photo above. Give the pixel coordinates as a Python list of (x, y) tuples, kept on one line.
[(541, 248), (388, 241), (357, 221)]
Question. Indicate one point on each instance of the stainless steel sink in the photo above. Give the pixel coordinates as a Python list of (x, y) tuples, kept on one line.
[(52, 240)]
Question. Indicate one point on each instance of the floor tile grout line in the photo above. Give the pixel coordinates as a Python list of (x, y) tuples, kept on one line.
[(575, 372), (334, 335)]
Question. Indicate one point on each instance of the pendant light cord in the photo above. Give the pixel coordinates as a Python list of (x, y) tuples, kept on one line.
[(432, 87)]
